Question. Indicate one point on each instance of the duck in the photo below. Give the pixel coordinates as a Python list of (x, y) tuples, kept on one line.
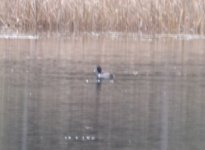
[(100, 75)]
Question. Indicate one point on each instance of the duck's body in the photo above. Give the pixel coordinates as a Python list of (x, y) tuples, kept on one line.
[(103, 75)]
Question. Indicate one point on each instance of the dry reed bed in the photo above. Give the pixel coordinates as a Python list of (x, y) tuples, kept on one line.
[(147, 16)]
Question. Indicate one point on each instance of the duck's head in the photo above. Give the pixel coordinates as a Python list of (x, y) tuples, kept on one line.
[(98, 69)]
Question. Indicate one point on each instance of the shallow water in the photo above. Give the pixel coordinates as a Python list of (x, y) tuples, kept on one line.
[(49, 99)]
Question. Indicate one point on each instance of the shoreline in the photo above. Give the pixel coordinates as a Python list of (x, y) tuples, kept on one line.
[(112, 35)]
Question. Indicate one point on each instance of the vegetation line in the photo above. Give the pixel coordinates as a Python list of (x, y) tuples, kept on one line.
[(144, 16)]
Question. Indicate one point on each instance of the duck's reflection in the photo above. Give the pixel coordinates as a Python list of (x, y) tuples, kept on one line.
[(97, 109), (98, 87)]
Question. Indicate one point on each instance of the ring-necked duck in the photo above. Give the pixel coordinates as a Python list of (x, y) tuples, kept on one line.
[(100, 75)]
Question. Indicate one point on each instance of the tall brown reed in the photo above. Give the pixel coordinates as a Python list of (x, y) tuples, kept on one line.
[(147, 16)]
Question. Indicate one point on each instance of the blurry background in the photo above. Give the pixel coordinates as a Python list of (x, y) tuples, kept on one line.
[(146, 16)]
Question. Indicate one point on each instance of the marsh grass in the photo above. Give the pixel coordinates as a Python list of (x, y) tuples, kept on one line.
[(146, 16)]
